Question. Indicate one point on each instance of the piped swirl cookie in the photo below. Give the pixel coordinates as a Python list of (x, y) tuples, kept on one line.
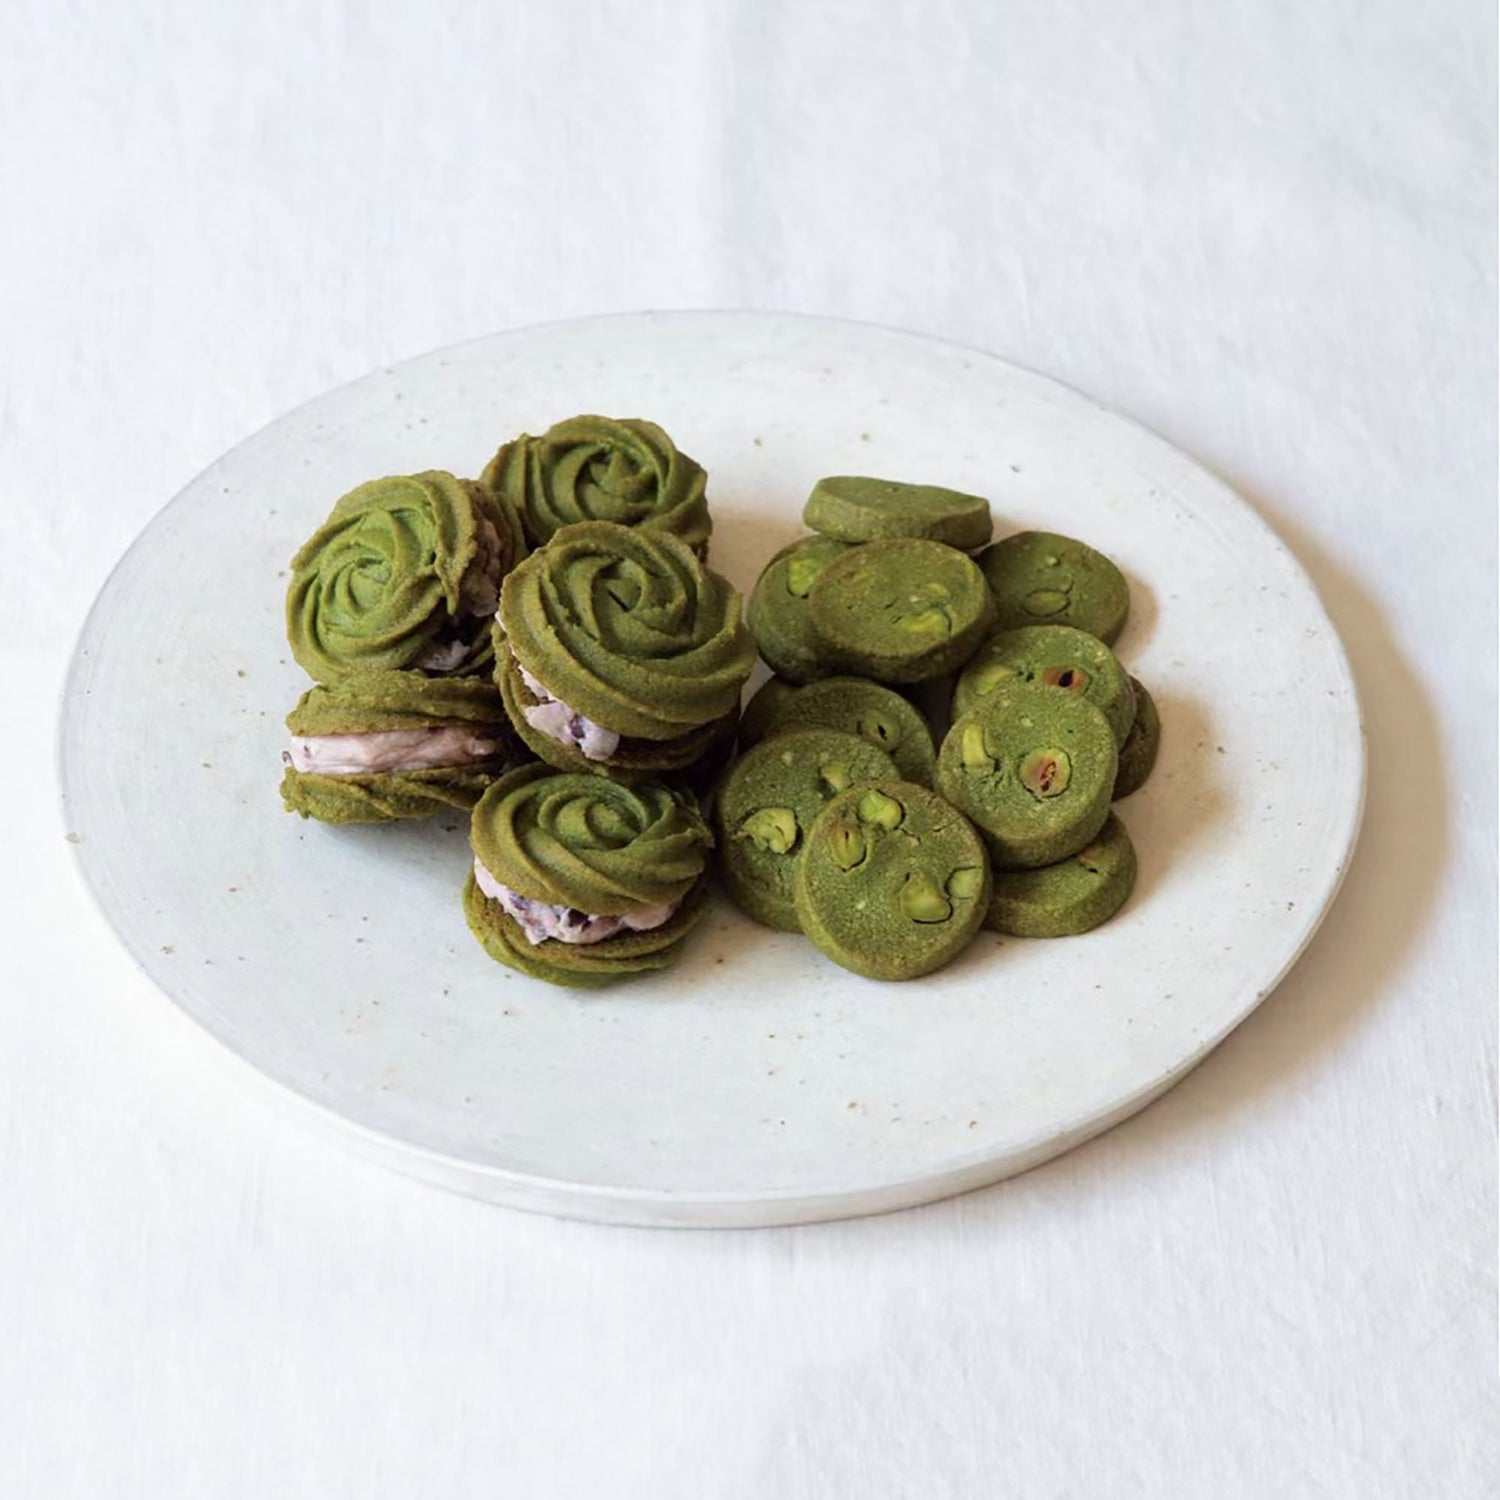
[(404, 574), (589, 468), (578, 880), (619, 652)]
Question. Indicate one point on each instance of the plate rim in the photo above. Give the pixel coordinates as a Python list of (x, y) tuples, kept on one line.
[(576, 1196)]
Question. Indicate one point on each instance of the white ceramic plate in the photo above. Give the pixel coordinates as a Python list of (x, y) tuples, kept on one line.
[(755, 1083)]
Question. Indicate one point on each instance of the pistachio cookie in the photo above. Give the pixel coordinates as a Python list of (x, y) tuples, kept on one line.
[(578, 880), (1040, 578), (879, 714), (404, 574), (901, 610), (857, 509), (385, 745), (1075, 895), (1034, 769), (1138, 753), (777, 609), (619, 652), (601, 469), (894, 881), (1055, 656), (767, 802)]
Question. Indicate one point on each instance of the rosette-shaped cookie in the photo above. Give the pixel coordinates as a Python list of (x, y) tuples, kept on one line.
[(580, 881), (619, 652), (600, 469), (405, 573), (385, 745)]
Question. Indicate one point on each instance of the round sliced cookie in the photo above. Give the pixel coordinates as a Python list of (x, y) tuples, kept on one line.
[(894, 881), (856, 508), (1034, 769), (1075, 895), (766, 803), (776, 610), (1138, 753), (902, 610), (1040, 578), (1055, 656), (579, 880), (878, 714), (379, 746)]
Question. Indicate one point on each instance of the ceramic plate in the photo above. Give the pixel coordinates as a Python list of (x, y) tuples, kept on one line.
[(755, 1083)]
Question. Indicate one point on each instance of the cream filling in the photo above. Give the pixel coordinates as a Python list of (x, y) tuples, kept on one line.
[(386, 750), (540, 920), (552, 717)]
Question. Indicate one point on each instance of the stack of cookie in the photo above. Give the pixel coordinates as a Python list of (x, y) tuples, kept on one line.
[(841, 819), (389, 611), (600, 674)]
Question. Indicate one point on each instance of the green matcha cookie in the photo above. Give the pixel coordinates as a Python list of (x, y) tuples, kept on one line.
[(893, 882), (620, 634), (404, 573), (628, 759), (580, 881), (1039, 578), (879, 714), (902, 610), (384, 745), (1058, 656), (766, 804), (599, 469), (760, 708), (858, 509), (1034, 769), (1073, 896), (1138, 753), (777, 609)]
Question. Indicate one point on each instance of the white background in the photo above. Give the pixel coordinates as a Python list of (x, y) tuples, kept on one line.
[(1266, 228)]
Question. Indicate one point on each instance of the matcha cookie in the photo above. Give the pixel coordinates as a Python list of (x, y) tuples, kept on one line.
[(894, 881), (1138, 753), (902, 610), (878, 714), (569, 741), (1054, 656), (385, 745), (767, 802), (600, 469), (777, 609), (621, 652), (580, 881), (1039, 578), (760, 709), (1073, 896), (404, 574), (1034, 769), (858, 509)]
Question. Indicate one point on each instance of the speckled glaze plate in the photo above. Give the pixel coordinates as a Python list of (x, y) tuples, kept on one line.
[(755, 1083)]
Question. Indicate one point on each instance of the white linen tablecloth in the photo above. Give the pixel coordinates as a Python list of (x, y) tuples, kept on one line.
[(1265, 228)]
